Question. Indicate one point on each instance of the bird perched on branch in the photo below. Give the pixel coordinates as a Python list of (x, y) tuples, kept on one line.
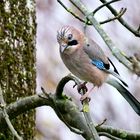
[(86, 60)]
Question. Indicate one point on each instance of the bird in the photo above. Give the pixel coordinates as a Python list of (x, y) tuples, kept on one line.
[(86, 60)]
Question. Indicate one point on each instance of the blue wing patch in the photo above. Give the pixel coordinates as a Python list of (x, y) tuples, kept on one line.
[(99, 64)]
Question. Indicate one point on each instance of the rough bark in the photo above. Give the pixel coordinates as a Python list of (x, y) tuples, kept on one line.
[(17, 57)]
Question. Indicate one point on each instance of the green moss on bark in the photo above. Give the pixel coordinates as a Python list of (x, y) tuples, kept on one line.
[(17, 59)]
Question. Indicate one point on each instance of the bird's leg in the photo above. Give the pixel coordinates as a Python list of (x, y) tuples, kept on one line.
[(85, 91), (83, 97), (83, 87)]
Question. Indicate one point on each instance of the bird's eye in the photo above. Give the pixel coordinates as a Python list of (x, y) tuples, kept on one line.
[(70, 36)]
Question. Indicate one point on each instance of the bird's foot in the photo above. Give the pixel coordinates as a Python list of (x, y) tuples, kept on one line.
[(85, 97), (82, 87)]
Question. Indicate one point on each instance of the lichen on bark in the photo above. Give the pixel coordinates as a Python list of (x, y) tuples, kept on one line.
[(17, 59)]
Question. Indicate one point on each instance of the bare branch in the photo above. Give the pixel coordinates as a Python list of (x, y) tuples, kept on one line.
[(86, 113), (103, 5), (77, 7), (109, 136), (87, 22), (101, 123), (66, 110), (136, 32), (119, 133), (121, 12), (115, 51), (6, 117), (70, 11)]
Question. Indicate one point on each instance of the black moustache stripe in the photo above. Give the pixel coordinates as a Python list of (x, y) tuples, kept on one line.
[(73, 42)]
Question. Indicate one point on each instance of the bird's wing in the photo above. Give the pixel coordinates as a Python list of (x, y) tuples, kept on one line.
[(96, 54), (99, 59)]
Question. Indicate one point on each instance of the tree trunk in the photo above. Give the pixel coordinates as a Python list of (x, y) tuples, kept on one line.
[(17, 59)]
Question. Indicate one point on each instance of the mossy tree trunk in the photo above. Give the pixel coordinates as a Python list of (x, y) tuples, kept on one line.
[(17, 59)]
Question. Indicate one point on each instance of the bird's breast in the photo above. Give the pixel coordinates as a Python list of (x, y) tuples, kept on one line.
[(80, 65)]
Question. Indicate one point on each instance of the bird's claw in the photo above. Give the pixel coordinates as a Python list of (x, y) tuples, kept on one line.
[(75, 85), (83, 98), (82, 87)]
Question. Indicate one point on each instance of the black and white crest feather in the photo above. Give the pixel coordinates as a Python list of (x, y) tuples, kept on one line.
[(61, 33)]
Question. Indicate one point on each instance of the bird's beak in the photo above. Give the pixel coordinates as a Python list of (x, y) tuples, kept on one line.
[(63, 47)]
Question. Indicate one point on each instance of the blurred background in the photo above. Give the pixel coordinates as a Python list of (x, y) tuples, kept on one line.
[(105, 102)]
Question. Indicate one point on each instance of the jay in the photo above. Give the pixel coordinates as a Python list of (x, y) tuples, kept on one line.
[(86, 60)]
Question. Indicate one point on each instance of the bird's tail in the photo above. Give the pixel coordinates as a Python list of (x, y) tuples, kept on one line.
[(126, 94)]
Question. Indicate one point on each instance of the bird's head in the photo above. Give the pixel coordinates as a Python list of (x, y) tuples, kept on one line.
[(69, 39)]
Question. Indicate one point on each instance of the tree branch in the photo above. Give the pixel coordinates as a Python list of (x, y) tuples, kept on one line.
[(87, 22), (108, 135), (119, 133), (71, 12), (121, 12), (115, 51), (103, 5), (122, 21), (121, 56), (86, 111), (6, 117), (66, 110), (88, 119)]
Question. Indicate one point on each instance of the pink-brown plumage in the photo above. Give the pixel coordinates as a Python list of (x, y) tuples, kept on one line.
[(86, 60), (79, 64), (77, 61)]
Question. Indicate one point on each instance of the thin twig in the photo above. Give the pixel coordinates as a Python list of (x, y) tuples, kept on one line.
[(101, 123), (115, 50), (77, 7), (113, 11), (122, 21), (103, 5), (58, 96), (119, 133), (86, 21), (70, 11), (121, 12), (3, 107)]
